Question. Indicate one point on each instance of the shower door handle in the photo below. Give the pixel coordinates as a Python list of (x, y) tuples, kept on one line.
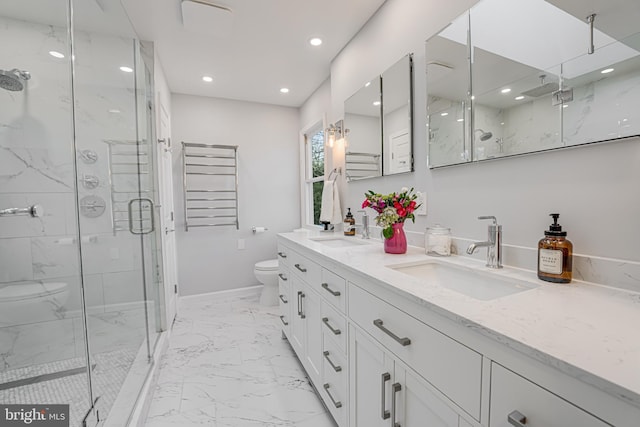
[(142, 230)]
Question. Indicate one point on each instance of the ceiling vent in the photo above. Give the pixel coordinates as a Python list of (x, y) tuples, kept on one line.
[(204, 17)]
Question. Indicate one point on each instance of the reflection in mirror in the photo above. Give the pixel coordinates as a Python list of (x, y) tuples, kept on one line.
[(362, 118), (397, 117), (447, 92)]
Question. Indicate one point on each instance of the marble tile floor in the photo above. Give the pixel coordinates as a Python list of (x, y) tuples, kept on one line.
[(228, 366)]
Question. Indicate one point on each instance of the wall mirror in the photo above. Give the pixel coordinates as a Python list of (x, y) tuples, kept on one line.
[(534, 85), (397, 111), (362, 116)]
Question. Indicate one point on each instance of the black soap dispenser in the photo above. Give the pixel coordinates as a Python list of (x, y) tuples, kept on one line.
[(555, 254)]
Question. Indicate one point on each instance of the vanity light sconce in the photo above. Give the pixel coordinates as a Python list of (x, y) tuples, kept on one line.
[(336, 132)]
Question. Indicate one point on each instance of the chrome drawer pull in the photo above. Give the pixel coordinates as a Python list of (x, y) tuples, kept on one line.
[(325, 320), (331, 291), (283, 300), (517, 419), (335, 368), (282, 254), (300, 305), (284, 322), (402, 341), (283, 277), (304, 270), (383, 412), (337, 404), (395, 389)]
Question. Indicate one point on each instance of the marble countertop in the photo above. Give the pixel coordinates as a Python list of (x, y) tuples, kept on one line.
[(588, 331)]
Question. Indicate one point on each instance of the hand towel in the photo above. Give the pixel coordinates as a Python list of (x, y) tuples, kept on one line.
[(330, 208)]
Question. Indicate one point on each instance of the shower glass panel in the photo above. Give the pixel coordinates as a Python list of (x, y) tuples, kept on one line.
[(80, 281)]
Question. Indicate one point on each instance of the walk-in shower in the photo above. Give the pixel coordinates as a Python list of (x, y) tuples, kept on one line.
[(80, 270), (13, 80)]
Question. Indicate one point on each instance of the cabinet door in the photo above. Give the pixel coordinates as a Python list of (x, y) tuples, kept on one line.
[(312, 334), (296, 323), (416, 405), (371, 371)]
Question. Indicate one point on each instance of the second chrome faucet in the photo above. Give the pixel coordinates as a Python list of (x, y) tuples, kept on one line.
[(493, 243)]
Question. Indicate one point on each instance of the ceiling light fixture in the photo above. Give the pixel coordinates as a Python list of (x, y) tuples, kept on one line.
[(207, 79), (316, 41), (518, 98), (284, 90), (505, 90), (126, 69), (444, 114), (607, 71), (376, 103), (367, 84), (460, 120), (56, 54)]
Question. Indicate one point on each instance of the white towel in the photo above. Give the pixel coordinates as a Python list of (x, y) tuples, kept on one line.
[(330, 209)]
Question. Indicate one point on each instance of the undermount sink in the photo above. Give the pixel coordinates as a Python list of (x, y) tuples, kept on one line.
[(474, 283), (339, 242)]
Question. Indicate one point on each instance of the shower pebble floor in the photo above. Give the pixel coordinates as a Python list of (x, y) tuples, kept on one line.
[(227, 365)]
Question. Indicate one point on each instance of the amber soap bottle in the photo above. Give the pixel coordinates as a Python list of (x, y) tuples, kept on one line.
[(555, 254), (350, 229)]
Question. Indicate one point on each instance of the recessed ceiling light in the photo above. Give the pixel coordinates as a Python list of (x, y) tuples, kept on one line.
[(565, 106), (376, 103), (444, 114), (505, 90), (114, 111), (473, 97), (126, 69), (56, 54), (518, 98), (316, 41), (207, 79), (460, 120), (367, 84), (606, 70), (284, 90)]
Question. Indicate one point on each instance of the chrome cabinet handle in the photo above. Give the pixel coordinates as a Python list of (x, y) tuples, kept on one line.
[(395, 388), (299, 310), (325, 320), (383, 412), (300, 305), (331, 291), (282, 254), (304, 270), (402, 341), (337, 404), (333, 365), (517, 419), (283, 277), (283, 299), (284, 322)]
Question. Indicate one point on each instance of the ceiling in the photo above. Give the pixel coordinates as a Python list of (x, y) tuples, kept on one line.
[(254, 51)]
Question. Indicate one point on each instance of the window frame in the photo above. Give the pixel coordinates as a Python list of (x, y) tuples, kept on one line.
[(307, 173)]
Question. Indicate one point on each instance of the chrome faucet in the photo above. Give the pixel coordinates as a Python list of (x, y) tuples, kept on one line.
[(493, 244), (365, 224)]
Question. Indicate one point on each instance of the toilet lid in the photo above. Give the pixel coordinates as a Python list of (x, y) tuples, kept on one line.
[(269, 265), (30, 290)]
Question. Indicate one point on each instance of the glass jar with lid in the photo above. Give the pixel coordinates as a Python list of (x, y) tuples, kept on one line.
[(437, 241)]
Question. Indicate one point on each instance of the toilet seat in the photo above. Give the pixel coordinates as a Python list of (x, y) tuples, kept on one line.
[(269, 265), (14, 293)]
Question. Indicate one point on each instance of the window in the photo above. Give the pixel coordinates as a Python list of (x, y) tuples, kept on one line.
[(314, 173)]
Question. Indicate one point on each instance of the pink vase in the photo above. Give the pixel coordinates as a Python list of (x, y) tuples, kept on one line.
[(396, 244)]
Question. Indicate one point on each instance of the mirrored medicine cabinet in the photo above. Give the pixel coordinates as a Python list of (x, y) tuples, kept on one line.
[(379, 119), (509, 78)]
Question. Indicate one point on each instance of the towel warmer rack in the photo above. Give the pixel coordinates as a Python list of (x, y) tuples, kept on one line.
[(210, 184), (362, 165)]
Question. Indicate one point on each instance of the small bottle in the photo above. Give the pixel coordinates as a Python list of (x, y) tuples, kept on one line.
[(349, 224), (555, 254)]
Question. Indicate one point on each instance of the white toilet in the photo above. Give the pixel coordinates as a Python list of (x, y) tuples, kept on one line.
[(267, 273), (32, 302)]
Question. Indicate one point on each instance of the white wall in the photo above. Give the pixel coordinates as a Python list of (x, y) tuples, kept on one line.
[(208, 257), (594, 188)]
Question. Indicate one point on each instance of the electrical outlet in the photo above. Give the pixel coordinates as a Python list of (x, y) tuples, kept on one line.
[(241, 244), (422, 201)]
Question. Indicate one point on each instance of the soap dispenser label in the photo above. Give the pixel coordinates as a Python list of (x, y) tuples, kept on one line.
[(550, 261)]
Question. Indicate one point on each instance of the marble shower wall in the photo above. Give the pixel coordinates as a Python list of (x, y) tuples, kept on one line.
[(36, 167)]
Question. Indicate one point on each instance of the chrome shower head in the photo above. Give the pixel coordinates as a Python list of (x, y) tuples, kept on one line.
[(12, 80), (484, 135)]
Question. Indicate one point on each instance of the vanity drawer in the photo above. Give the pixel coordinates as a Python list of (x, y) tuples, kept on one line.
[(449, 366), (334, 383), (283, 255), (515, 396), (334, 325), (334, 289), (304, 268)]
